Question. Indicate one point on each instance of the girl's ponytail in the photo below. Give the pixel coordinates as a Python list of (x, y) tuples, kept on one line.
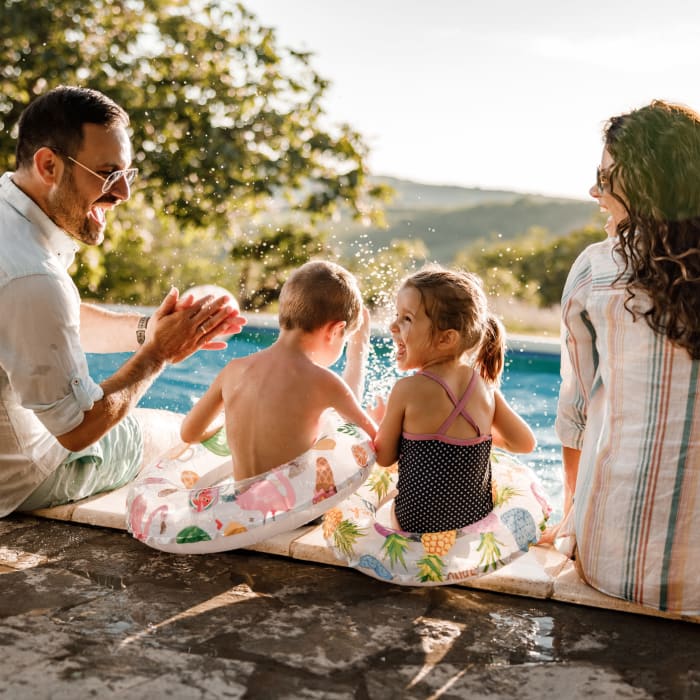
[(491, 356)]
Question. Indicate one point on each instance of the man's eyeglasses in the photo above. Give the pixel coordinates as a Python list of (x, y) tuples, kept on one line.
[(602, 179), (111, 180)]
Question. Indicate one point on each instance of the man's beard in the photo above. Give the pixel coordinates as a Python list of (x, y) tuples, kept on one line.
[(65, 210)]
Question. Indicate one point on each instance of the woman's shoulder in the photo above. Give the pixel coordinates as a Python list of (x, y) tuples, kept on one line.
[(595, 265), (599, 252)]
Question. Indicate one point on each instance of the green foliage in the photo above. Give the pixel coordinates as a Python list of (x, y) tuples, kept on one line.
[(533, 267), (379, 271), (141, 266), (228, 132), (265, 262), (223, 119)]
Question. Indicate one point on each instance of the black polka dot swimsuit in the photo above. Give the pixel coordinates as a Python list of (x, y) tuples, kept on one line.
[(444, 482)]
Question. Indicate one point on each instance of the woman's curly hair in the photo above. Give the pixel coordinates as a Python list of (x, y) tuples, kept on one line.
[(656, 154)]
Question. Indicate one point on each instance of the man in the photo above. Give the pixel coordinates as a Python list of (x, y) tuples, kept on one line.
[(62, 436)]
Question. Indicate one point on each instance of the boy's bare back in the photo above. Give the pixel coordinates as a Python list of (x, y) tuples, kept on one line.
[(273, 402)]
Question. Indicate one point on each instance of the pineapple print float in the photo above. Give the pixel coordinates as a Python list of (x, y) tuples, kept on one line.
[(344, 533), (380, 483), (502, 494), (521, 523), (331, 520), (431, 567), (490, 549), (360, 455), (359, 530), (167, 510)]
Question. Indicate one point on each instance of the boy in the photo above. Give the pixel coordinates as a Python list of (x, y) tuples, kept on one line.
[(273, 399)]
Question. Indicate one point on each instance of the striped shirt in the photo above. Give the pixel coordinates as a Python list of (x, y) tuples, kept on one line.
[(630, 401)]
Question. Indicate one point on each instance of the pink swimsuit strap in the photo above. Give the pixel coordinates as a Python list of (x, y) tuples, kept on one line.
[(458, 405)]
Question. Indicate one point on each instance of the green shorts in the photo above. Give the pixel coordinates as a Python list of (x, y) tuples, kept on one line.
[(108, 464)]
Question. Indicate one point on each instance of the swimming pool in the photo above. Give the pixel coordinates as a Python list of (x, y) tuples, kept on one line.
[(530, 383)]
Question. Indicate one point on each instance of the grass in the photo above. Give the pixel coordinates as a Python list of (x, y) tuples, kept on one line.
[(517, 316), (521, 317)]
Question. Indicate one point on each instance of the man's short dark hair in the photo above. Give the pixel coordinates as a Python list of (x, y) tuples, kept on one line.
[(56, 120)]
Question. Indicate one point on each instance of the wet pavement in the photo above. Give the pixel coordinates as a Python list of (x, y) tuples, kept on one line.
[(90, 612)]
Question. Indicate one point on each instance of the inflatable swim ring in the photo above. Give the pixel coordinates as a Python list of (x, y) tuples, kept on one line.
[(359, 530), (188, 503)]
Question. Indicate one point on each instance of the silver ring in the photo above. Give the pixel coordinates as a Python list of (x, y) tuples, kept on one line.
[(202, 329)]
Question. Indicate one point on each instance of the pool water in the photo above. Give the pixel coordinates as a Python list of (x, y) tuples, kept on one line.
[(530, 384)]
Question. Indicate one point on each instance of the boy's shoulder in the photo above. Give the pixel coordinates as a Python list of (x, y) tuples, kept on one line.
[(324, 374), (236, 366)]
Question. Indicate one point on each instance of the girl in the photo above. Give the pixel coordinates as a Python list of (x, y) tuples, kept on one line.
[(440, 422)]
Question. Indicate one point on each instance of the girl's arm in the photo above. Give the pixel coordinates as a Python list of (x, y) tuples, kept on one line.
[(195, 426), (509, 430), (389, 434)]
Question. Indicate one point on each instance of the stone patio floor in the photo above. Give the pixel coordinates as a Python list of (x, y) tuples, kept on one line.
[(88, 611)]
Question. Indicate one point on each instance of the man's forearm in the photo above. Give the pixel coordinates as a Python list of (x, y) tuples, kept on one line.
[(102, 330), (122, 392)]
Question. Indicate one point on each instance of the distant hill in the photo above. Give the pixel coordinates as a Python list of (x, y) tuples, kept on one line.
[(418, 195), (449, 218)]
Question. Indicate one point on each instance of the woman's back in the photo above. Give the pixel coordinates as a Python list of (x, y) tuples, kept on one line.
[(637, 494)]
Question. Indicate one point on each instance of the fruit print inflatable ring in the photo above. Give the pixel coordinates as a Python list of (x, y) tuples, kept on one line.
[(188, 503), (360, 532)]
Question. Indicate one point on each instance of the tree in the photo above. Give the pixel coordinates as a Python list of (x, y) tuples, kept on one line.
[(223, 118), (264, 262), (379, 271), (532, 267)]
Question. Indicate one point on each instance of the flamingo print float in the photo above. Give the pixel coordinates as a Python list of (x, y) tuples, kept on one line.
[(269, 496)]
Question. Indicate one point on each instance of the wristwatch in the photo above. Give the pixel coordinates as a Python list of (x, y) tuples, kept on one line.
[(141, 330)]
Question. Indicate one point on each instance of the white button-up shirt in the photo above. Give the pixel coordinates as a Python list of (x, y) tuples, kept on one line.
[(45, 387)]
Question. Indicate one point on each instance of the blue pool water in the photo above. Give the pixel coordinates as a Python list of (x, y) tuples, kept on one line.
[(530, 383)]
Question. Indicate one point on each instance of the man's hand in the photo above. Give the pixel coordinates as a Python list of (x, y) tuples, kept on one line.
[(177, 330), (232, 325)]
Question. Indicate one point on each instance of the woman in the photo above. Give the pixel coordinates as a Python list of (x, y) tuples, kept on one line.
[(629, 404)]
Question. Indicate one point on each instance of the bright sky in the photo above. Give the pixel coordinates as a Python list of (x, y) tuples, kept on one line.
[(498, 94)]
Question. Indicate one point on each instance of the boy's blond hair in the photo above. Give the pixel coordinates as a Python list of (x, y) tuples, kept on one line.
[(317, 293)]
